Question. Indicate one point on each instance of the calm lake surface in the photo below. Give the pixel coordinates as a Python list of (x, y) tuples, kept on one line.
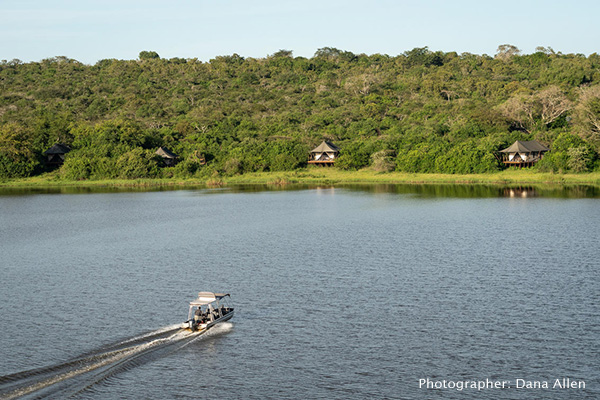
[(340, 293)]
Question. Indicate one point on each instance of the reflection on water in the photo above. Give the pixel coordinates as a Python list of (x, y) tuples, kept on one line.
[(520, 192), (423, 190), (481, 191)]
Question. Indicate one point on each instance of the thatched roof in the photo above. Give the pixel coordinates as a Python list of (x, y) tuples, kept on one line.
[(165, 153), (326, 147), (58, 148), (525, 147)]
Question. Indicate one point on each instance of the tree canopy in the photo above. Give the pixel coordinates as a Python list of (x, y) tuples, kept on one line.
[(420, 111)]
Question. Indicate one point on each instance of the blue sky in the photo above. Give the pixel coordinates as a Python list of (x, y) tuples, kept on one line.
[(91, 30)]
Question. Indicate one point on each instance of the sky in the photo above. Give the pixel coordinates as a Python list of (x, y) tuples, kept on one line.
[(92, 30)]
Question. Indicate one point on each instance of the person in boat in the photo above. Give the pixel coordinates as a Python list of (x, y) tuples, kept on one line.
[(198, 315), (210, 311)]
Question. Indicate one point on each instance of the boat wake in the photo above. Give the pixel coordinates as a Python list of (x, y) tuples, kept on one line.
[(77, 375)]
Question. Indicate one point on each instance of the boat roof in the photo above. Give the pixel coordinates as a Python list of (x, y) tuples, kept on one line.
[(207, 298)]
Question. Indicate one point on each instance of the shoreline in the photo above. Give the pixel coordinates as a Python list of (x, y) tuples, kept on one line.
[(317, 176)]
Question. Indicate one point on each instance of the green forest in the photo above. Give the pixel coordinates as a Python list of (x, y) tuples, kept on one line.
[(420, 111)]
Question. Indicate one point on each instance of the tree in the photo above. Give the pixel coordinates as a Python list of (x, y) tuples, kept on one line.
[(545, 106), (522, 111), (355, 156), (282, 53), (16, 156), (580, 158), (383, 161), (546, 50), (76, 168), (138, 163), (333, 54), (148, 55), (553, 103), (506, 51), (423, 56), (588, 113)]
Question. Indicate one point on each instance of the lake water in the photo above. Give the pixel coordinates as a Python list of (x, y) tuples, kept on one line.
[(340, 293)]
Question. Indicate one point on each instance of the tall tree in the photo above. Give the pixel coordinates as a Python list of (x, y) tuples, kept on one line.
[(506, 51)]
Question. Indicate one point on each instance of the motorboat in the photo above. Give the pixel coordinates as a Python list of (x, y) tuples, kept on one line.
[(208, 310)]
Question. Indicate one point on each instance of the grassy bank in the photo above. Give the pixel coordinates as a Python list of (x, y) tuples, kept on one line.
[(330, 176), (334, 176)]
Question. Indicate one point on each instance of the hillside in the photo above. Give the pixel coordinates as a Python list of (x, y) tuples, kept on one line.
[(420, 111)]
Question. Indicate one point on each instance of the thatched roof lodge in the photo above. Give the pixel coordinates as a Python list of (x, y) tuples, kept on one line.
[(55, 155), (324, 154), (523, 153), (169, 158)]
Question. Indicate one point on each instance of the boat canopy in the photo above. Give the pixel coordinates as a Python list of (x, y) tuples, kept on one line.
[(207, 298)]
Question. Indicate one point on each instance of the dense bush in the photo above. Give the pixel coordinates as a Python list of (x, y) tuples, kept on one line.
[(570, 153), (383, 161), (138, 163), (17, 154), (420, 111), (77, 168)]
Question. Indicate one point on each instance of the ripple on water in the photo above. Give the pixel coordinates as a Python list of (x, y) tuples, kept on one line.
[(338, 293)]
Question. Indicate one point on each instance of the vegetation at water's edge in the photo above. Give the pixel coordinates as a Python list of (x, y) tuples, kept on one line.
[(418, 112), (319, 176)]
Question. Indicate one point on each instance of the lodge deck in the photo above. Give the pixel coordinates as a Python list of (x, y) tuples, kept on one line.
[(521, 163), (325, 163)]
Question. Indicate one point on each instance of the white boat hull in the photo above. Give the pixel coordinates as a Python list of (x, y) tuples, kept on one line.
[(208, 325), (218, 320)]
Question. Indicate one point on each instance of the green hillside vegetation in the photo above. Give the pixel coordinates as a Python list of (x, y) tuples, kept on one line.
[(418, 112)]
